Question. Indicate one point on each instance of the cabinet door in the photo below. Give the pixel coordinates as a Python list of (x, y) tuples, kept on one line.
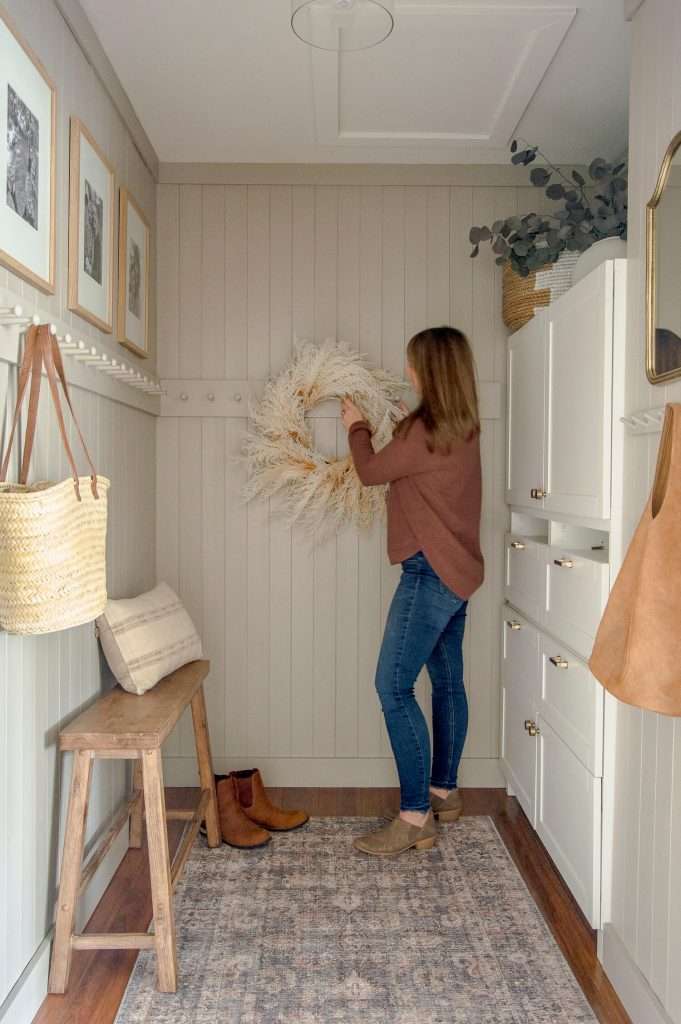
[(572, 702), (520, 699), (526, 390), (525, 579), (569, 819), (579, 375)]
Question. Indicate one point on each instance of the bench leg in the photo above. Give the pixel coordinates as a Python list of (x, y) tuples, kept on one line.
[(159, 870), (137, 816), (205, 760), (72, 862)]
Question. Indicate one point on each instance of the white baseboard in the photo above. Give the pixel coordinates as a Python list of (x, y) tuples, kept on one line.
[(635, 993), (327, 771), (26, 995)]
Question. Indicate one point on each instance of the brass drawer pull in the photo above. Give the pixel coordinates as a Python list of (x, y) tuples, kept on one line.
[(534, 729), (558, 661), (538, 493), (517, 545), (513, 624), (564, 563)]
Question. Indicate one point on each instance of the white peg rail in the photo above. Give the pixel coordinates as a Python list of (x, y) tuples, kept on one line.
[(644, 421), (88, 365)]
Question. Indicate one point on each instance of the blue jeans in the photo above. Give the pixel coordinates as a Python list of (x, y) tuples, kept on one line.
[(425, 626)]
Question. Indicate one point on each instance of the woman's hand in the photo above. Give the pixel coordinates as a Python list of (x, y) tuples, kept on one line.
[(350, 413)]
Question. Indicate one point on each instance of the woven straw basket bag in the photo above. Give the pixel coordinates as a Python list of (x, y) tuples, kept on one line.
[(523, 295), (52, 536)]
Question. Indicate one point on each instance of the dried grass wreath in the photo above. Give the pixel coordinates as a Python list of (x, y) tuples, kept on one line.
[(320, 492)]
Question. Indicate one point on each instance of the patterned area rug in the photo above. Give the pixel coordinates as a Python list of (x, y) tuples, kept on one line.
[(309, 931)]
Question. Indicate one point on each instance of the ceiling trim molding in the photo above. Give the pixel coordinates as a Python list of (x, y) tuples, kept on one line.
[(93, 51), (536, 56), (467, 175)]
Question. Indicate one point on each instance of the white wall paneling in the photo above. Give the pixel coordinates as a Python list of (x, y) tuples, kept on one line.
[(45, 681), (293, 630), (642, 791)]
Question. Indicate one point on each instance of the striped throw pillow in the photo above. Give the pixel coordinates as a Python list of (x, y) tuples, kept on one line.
[(146, 637)]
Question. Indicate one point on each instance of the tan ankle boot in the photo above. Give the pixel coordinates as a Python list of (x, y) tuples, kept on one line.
[(445, 809), (257, 805), (397, 837), (449, 808), (237, 828)]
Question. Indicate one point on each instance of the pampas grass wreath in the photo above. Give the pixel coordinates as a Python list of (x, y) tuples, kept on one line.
[(319, 492)]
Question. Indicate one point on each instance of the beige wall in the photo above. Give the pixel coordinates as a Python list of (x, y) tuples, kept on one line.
[(44, 681), (645, 806), (293, 632)]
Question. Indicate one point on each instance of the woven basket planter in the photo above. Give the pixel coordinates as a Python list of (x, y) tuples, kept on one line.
[(523, 295)]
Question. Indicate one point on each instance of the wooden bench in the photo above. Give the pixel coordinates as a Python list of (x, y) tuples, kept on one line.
[(123, 725)]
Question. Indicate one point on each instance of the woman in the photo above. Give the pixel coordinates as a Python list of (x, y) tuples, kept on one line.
[(433, 467)]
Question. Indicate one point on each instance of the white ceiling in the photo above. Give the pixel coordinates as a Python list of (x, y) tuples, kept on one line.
[(227, 81)]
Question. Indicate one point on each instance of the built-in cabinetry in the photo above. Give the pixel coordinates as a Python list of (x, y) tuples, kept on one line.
[(558, 483)]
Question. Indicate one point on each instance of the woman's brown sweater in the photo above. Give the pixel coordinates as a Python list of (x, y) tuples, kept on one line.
[(434, 501)]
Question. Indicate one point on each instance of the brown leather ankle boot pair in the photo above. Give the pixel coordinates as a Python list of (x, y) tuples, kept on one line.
[(247, 815)]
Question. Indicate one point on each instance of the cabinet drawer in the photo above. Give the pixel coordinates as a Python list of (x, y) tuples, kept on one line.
[(569, 819), (526, 574), (520, 699), (572, 702), (576, 592)]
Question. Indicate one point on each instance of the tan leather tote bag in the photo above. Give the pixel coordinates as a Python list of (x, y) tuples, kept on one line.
[(52, 535), (637, 653)]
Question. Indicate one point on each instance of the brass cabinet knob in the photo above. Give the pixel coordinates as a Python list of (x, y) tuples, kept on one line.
[(513, 624), (564, 563), (558, 661), (538, 493), (533, 729), (528, 723), (517, 545)]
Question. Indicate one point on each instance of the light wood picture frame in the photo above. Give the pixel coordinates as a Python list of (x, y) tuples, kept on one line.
[(92, 199), (28, 162), (133, 276)]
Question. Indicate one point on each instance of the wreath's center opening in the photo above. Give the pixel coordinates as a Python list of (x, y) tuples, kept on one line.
[(324, 423)]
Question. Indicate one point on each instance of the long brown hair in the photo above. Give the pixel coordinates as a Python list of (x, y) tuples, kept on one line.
[(443, 361)]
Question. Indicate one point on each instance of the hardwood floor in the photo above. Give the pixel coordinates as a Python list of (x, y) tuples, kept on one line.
[(98, 979)]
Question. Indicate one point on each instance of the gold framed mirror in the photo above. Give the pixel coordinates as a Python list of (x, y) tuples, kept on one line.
[(663, 270)]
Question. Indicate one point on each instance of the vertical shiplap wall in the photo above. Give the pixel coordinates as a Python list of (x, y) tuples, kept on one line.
[(293, 631), (646, 810), (45, 681)]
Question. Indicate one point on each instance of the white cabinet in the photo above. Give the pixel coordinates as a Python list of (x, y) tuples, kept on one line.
[(576, 594), (526, 387), (520, 698), (579, 338), (525, 574), (569, 818), (560, 399), (557, 570), (572, 702)]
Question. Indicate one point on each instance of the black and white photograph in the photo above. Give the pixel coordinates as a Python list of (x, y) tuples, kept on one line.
[(133, 276), (93, 214), (23, 159), (27, 162), (91, 230)]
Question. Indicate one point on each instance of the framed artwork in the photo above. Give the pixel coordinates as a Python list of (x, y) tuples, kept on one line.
[(28, 122), (91, 230), (133, 276)]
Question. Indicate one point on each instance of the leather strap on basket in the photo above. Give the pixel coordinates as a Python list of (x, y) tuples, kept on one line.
[(41, 349)]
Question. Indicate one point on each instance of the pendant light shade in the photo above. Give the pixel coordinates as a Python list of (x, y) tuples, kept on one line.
[(342, 25)]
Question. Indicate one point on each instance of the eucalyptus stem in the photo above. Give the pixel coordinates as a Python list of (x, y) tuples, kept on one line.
[(557, 170)]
